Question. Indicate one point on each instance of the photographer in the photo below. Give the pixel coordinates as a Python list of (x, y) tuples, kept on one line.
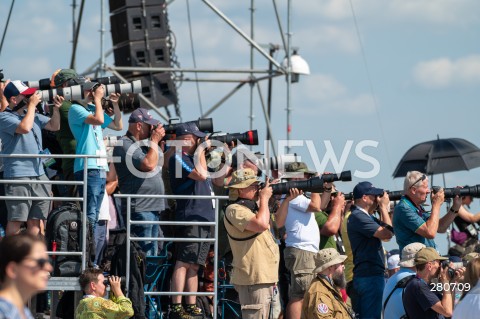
[(20, 133), (93, 305), (189, 176), (87, 119), (419, 299), (139, 172), (412, 223), (365, 234)]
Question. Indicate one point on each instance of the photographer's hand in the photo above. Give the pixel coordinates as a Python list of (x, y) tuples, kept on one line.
[(98, 94), (114, 97), (115, 285), (57, 101), (293, 193), (157, 134), (438, 198), (457, 203)]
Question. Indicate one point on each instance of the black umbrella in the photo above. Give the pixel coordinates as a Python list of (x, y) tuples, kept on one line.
[(439, 156)]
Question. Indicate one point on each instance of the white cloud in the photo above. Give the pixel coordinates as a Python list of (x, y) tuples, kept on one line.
[(444, 72)]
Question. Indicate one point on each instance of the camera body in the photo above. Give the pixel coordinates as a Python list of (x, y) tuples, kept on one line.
[(451, 271)]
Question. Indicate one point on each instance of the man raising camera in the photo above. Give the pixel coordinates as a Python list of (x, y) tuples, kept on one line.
[(87, 119), (139, 172), (420, 299)]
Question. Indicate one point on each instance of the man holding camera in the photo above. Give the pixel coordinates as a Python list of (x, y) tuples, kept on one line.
[(412, 223), (20, 133), (93, 305), (365, 233), (139, 172), (420, 299), (87, 119), (255, 252), (189, 176), (303, 236)]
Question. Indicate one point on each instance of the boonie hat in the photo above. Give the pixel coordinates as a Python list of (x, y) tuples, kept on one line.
[(408, 254), (188, 128), (142, 115), (15, 88), (366, 188), (327, 257), (243, 178), (426, 255), (298, 167)]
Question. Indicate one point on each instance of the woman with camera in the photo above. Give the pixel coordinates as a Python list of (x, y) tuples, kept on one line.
[(94, 305), (24, 271), (469, 305)]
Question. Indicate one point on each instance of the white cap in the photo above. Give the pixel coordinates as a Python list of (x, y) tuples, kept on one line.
[(393, 261)]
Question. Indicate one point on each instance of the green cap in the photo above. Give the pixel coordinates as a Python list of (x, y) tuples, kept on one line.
[(426, 255), (63, 76), (298, 167)]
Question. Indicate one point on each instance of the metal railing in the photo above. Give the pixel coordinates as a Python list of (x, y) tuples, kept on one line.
[(214, 240)]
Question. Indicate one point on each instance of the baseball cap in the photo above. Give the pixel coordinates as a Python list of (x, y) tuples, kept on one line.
[(408, 254), (87, 86), (142, 115), (393, 261), (61, 76), (366, 188), (426, 255), (327, 257), (15, 88), (243, 178), (188, 128)]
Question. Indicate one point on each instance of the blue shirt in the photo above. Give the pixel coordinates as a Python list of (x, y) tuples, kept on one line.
[(368, 256), (407, 218), (89, 137), (190, 209), (14, 143), (394, 308), (419, 300), (9, 311)]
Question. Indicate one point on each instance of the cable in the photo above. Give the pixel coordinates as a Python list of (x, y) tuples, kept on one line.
[(193, 58), (6, 25), (370, 83)]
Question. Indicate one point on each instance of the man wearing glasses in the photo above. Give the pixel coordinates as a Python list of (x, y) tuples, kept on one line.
[(410, 220)]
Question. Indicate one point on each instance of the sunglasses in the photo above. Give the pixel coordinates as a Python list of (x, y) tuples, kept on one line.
[(41, 262), (421, 179)]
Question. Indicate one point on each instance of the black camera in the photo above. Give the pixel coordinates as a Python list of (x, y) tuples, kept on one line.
[(126, 102), (314, 184), (450, 271), (106, 282), (204, 125), (1, 75), (247, 138), (473, 191), (393, 195)]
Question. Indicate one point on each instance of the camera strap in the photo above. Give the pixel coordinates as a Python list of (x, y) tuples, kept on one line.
[(251, 205)]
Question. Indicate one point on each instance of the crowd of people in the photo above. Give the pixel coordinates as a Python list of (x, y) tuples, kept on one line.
[(292, 255)]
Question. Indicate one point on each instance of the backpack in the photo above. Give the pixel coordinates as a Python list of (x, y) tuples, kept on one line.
[(402, 283), (118, 267), (64, 233)]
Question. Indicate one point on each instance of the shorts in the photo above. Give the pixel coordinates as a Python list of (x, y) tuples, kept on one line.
[(193, 253), (23, 210), (257, 300), (301, 264)]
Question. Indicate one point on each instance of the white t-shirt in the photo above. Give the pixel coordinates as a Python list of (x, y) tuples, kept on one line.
[(301, 226)]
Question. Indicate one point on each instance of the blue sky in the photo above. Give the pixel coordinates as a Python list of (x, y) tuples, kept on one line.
[(419, 75)]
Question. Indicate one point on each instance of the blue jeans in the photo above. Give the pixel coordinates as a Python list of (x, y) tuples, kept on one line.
[(368, 293), (149, 247), (95, 190), (100, 241)]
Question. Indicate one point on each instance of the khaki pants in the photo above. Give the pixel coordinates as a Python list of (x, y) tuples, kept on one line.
[(256, 300)]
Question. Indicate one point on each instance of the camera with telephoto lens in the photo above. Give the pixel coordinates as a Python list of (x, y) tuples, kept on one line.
[(314, 184), (204, 125), (277, 162), (247, 138), (473, 191), (76, 92), (392, 195), (123, 281), (44, 84), (450, 271)]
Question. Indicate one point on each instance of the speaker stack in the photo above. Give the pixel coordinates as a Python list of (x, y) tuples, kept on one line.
[(141, 38)]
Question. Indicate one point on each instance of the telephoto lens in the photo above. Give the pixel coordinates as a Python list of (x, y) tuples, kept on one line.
[(69, 93), (247, 138), (314, 184), (124, 88), (473, 191)]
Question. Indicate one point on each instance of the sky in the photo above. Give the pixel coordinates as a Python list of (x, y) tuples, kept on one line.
[(385, 75)]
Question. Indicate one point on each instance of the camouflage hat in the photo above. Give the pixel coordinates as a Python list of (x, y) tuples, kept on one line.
[(297, 167), (243, 178), (61, 76)]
